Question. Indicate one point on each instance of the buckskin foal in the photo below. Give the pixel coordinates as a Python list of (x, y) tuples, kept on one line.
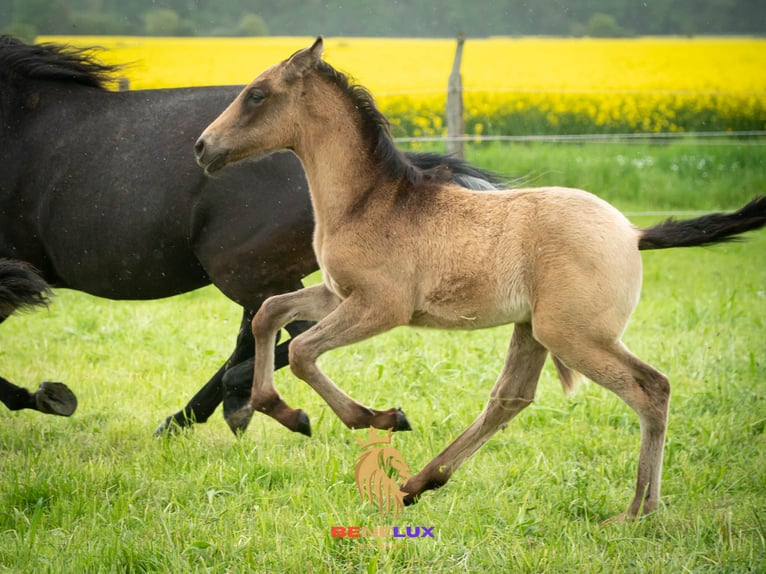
[(402, 246)]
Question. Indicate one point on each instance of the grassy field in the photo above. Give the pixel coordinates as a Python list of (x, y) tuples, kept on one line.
[(95, 493)]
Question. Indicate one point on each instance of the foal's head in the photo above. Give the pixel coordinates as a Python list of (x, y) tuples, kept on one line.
[(265, 115), (277, 109)]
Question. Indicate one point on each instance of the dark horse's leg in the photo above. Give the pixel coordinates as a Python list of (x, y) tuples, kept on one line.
[(231, 383), (207, 399), (22, 287), (238, 380), (49, 398)]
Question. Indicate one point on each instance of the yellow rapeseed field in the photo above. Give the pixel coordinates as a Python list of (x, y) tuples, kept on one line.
[(512, 85)]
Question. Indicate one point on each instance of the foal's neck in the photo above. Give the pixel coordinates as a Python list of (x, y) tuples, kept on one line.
[(339, 156)]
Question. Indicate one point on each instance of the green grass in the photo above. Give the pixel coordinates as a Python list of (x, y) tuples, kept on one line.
[(95, 493), (640, 176)]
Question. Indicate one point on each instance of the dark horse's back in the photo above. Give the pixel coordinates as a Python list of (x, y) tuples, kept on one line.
[(106, 197)]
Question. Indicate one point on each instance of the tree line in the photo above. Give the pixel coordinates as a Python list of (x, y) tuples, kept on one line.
[(392, 18)]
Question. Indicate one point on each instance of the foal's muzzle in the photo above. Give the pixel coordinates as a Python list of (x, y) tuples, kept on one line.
[(207, 156)]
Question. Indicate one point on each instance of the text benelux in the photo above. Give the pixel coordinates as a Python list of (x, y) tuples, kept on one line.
[(382, 532)]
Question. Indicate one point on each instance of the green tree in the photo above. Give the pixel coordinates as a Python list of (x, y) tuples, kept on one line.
[(25, 32), (602, 25), (100, 23), (45, 16), (252, 25), (161, 22)]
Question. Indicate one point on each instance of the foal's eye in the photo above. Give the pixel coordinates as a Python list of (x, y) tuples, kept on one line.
[(256, 96)]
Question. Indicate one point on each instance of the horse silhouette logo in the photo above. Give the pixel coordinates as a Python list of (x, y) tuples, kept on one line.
[(379, 470)]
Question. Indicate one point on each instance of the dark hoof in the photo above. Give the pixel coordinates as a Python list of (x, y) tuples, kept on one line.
[(236, 388), (55, 399), (410, 499), (169, 427), (303, 424), (402, 424), (239, 420), (412, 492)]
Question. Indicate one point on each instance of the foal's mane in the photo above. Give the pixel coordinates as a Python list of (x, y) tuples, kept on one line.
[(377, 131), (54, 62)]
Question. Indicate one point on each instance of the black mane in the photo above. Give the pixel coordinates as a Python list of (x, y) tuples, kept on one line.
[(54, 62), (377, 131)]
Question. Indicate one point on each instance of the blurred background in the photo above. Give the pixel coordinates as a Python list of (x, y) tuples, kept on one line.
[(393, 18)]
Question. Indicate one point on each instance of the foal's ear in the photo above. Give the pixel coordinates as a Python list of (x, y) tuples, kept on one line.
[(304, 60)]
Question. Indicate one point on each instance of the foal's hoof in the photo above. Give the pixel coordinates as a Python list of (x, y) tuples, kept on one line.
[(55, 399), (391, 419), (239, 419), (402, 424), (619, 519), (410, 498), (303, 424)]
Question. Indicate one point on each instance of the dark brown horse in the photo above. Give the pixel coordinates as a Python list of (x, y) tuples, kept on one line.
[(100, 192), (399, 245)]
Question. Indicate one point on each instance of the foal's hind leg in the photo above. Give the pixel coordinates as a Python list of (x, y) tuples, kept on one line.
[(513, 391), (644, 389)]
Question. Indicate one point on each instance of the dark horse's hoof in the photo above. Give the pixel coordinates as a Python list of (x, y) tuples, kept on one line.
[(402, 424), (55, 399), (169, 427), (236, 389), (239, 419)]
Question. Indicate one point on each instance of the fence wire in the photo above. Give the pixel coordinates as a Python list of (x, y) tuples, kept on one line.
[(738, 138), (733, 138)]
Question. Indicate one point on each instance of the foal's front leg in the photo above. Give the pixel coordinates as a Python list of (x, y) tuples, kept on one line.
[(358, 317), (310, 304)]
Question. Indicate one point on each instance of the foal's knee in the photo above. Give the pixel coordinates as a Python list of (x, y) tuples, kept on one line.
[(262, 323), (302, 359)]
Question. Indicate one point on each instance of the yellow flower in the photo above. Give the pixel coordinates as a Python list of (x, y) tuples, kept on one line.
[(510, 84)]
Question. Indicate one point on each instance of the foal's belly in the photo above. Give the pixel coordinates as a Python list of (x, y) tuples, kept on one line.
[(467, 316)]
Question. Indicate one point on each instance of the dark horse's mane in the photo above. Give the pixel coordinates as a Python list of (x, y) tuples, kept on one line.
[(54, 62), (377, 131)]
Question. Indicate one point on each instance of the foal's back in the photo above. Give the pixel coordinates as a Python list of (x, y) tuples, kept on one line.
[(489, 258)]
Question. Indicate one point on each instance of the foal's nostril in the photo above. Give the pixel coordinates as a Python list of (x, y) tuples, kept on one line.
[(199, 148)]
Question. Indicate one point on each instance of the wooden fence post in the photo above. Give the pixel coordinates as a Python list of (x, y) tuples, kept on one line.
[(454, 111)]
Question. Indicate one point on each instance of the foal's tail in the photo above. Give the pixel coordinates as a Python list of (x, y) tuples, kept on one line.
[(20, 287), (705, 230)]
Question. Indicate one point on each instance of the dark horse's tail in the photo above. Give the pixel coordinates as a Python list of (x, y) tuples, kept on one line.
[(462, 172), (20, 287), (705, 230)]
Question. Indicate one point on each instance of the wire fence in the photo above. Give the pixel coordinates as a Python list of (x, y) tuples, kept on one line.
[(728, 138), (736, 138)]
